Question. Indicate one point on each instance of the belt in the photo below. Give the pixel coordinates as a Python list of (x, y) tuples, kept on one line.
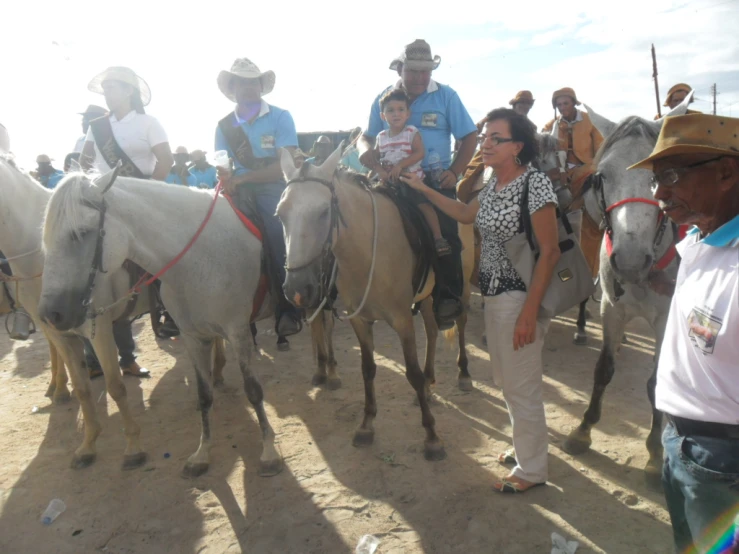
[(691, 427)]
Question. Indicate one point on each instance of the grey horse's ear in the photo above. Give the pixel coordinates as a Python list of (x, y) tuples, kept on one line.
[(344, 146), (329, 166), (605, 126), (287, 164), (680, 109), (106, 181)]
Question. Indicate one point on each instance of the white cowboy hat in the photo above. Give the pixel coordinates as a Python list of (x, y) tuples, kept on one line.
[(245, 69), (125, 75), (416, 55)]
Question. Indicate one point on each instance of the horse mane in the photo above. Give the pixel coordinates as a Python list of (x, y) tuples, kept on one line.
[(630, 127), (547, 143), (64, 211)]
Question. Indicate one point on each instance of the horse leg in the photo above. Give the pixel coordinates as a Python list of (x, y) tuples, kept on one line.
[(432, 333), (107, 352), (581, 335), (219, 361), (334, 381), (57, 390), (464, 379), (614, 320), (365, 435), (270, 462), (433, 447), (200, 352)]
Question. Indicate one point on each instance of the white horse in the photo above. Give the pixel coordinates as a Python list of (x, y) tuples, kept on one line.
[(639, 240), (210, 292), (24, 201)]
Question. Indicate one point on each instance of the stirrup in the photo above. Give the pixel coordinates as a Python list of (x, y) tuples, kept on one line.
[(23, 325)]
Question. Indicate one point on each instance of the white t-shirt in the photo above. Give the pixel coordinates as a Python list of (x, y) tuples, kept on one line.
[(136, 134), (698, 371)]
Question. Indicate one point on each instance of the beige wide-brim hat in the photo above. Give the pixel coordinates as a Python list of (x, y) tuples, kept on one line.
[(694, 134), (245, 69), (675, 88), (124, 75), (566, 91), (416, 55), (522, 96)]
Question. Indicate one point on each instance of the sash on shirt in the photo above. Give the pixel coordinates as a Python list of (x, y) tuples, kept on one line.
[(111, 151), (240, 145)]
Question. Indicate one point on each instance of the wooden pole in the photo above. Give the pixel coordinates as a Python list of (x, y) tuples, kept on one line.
[(656, 82)]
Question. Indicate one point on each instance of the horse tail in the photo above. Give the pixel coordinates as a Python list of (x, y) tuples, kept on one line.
[(450, 335)]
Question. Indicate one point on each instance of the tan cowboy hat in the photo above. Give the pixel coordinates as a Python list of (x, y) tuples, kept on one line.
[(125, 75), (416, 55), (680, 86), (93, 110), (522, 96), (566, 91), (43, 159), (695, 134), (245, 69)]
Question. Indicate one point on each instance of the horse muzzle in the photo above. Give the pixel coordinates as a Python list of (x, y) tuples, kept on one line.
[(63, 311), (303, 288), (632, 268)]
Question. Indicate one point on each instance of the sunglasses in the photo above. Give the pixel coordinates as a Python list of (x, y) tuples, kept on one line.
[(670, 177)]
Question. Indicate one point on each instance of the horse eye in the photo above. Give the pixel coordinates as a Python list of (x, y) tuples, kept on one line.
[(79, 236), (325, 213)]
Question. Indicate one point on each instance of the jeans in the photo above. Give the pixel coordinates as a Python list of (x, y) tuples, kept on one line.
[(123, 335), (700, 477), (451, 266)]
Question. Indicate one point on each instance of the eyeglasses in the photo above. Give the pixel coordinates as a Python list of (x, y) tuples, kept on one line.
[(670, 177), (495, 140)]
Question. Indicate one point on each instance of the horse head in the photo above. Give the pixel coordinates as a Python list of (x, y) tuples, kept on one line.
[(309, 214), (78, 247)]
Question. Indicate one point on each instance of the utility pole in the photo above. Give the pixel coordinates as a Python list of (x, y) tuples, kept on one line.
[(714, 93), (656, 82)]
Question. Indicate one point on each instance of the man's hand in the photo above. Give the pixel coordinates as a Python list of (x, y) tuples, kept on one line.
[(225, 176), (448, 179)]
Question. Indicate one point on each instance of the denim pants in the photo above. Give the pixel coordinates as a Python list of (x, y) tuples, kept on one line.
[(451, 266), (700, 477), (123, 335)]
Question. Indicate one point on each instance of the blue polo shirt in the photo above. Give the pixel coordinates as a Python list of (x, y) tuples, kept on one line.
[(174, 179), (438, 114), (51, 181), (207, 177), (273, 128)]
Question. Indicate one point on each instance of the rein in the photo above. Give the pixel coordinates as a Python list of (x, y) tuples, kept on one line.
[(325, 257)]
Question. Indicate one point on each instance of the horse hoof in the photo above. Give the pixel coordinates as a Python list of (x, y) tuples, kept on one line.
[(465, 384), (192, 470), (219, 383), (50, 391), (577, 443), (363, 437), (334, 384), (270, 468), (83, 461), (434, 452), (61, 397), (580, 339), (133, 461), (319, 380)]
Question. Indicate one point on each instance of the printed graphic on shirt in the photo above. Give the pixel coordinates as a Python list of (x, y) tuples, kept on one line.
[(268, 141), (704, 330), (429, 119)]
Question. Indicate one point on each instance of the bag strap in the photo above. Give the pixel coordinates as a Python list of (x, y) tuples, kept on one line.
[(526, 216), (110, 150), (239, 143)]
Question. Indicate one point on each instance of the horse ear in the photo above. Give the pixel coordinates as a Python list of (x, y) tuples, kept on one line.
[(329, 166), (287, 163), (680, 109), (106, 181), (605, 126)]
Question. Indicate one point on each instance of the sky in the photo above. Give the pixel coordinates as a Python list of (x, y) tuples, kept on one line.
[(331, 58)]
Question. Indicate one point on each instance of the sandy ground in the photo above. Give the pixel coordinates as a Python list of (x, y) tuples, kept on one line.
[(330, 493)]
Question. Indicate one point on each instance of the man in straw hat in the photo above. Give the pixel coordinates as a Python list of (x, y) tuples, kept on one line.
[(522, 102), (92, 112), (204, 173), (48, 175), (439, 114), (322, 149), (675, 96), (252, 133), (180, 172), (696, 181)]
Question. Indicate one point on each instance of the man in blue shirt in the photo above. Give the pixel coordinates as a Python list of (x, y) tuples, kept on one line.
[(48, 175), (252, 134), (322, 149), (204, 173), (439, 114), (180, 174)]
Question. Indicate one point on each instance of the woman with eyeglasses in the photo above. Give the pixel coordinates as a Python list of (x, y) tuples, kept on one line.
[(515, 332)]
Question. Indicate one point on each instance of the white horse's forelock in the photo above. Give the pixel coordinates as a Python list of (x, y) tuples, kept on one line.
[(64, 211)]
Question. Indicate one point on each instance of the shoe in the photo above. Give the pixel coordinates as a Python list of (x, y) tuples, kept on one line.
[(169, 328), (443, 248), (447, 312), (136, 370), (288, 325), (512, 487)]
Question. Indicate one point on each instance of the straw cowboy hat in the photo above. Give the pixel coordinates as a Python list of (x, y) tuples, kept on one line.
[(695, 134), (566, 91), (94, 111), (124, 75), (522, 96), (678, 87), (245, 69), (43, 159), (416, 55)]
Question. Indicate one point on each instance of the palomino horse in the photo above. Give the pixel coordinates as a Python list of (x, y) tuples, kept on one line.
[(324, 211), (25, 201), (89, 227), (639, 240)]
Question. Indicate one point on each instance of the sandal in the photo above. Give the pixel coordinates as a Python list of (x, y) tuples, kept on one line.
[(136, 370), (443, 248), (508, 457), (511, 487)]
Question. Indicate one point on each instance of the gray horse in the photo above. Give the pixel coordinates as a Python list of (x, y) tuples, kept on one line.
[(639, 240)]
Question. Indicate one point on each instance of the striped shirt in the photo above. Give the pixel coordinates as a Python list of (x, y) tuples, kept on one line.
[(397, 148)]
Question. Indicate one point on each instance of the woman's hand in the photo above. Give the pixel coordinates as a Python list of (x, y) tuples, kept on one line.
[(225, 176), (525, 330), (413, 181)]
